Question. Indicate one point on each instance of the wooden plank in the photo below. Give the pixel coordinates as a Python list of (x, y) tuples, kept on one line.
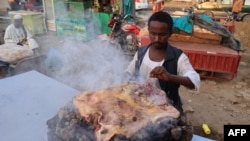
[(210, 36), (202, 33), (192, 39)]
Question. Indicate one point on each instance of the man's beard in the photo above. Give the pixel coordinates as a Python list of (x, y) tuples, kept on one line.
[(18, 26), (158, 45)]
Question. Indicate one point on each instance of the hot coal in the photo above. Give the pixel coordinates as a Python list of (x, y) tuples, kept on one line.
[(69, 125)]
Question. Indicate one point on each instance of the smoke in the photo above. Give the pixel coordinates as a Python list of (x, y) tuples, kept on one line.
[(87, 65), (84, 66)]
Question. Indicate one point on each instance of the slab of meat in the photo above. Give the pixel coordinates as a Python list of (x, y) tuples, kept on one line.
[(126, 110)]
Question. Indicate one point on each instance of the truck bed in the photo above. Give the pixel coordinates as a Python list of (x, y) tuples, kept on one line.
[(210, 61)]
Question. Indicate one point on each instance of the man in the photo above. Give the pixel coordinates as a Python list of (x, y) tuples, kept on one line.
[(236, 9), (15, 5), (162, 64), (16, 33)]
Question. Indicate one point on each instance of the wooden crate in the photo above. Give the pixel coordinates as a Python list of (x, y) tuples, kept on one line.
[(208, 36), (192, 39)]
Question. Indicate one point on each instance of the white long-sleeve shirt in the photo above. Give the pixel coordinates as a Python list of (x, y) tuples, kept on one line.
[(15, 35), (184, 68)]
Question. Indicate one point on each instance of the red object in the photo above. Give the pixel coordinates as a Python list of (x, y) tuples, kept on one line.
[(211, 61), (32, 5), (158, 6), (230, 25), (131, 28), (126, 27), (29, 4), (230, 28), (111, 22)]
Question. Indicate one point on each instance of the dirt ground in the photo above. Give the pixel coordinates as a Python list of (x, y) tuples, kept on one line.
[(222, 102)]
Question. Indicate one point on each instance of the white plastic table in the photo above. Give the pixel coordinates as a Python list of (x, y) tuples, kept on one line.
[(27, 101)]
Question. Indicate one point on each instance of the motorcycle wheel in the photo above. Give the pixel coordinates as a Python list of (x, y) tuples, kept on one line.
[(246, 19)]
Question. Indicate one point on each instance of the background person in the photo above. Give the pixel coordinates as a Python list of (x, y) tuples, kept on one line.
[(15, 5), (237, 7), (16, 33), (164, 65)]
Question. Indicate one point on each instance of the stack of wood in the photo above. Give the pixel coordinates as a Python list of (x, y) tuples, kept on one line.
[(199, 35)]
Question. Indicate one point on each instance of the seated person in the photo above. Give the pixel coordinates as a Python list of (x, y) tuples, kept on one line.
[(237, 7), (16, 33)]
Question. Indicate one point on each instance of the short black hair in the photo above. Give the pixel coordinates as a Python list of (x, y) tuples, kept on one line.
[(162, 17)]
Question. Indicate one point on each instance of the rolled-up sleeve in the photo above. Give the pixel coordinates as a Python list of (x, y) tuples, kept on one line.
[(185, 68)]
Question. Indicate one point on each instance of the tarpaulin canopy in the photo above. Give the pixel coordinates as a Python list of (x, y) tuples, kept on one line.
[(186, 23), (127, 7)]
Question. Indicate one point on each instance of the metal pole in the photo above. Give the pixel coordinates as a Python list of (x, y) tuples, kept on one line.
[(121, 7), (133, 8)]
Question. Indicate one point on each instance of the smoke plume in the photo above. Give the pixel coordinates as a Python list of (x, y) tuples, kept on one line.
[(87, 65)]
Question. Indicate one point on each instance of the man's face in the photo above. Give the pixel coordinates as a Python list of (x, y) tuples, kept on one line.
[(18, 23), (158, 34)]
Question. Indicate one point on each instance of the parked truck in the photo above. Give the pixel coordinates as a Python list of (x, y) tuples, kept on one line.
[(209, 45), (222, 7)]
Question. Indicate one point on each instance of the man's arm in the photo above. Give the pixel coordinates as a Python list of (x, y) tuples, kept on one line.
[(161, 73), (185, 68), (7, 36), (29, 35), (240, 5), (183, 80), (186, 75)]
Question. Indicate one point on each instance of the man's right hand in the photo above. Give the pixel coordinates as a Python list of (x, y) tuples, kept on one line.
[(161, 73)]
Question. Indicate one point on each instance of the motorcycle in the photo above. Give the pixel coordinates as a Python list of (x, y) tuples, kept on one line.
[(125, 33)]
